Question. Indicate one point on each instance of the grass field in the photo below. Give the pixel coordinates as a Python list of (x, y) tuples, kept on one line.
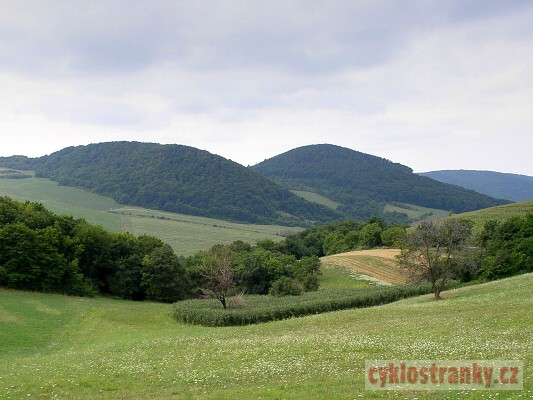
[(55, 347), (63, 200), (186, 234), (378, 265), (317, 198), (499, 213)]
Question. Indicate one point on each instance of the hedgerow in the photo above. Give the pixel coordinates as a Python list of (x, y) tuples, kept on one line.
[(260, 308)]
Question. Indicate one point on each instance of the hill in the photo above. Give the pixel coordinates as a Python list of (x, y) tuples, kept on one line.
[(499, 213), (364, 184), (175, 178), (512, 187), (54, 346)]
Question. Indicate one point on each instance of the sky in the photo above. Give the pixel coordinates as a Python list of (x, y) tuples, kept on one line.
[(431, 84)]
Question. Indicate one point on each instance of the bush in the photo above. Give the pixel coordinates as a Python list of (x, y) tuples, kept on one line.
[(311, 283), (286, 286)]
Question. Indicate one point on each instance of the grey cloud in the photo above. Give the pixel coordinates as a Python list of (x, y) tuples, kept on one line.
[(66, 38)]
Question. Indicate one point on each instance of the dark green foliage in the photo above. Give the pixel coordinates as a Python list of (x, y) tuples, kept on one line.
[(496, 184), (340, 237), (286, 286), (507, 247), (363, 183), (178, 179), (392, 236), (370, 235), (269, 308), (253, 270), (18, 162), (163, 278), (42, 251)]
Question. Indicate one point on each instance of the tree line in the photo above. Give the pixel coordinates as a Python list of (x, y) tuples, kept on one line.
[(42, 251)]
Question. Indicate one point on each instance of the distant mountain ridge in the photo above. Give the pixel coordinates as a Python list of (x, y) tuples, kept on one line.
[(501, 185), (190, 181), (363, 183), (175, 178)]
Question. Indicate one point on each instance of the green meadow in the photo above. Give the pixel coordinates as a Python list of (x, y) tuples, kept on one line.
[(186, 234), (499, 213), (56, 347)]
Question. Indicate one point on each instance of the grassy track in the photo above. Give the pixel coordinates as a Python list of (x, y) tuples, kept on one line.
[(376, 264), (109, 349), (186, 234)]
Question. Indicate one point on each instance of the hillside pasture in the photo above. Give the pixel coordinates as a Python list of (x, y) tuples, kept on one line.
[(108, 349), (377, 265), (189, 234), (499, 213), (317, 198), (186, 234)]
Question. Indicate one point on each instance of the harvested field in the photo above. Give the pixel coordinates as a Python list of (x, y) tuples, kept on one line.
[(379, 264)]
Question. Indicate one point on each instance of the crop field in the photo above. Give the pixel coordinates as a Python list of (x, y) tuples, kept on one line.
[(56, 347), (186, 234), (377, 265)]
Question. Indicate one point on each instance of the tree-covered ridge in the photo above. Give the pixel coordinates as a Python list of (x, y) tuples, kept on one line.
[(364, 183), (496, 184), (178, 179)]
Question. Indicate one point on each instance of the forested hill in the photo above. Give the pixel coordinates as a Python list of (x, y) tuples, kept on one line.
[(175, 178), (505, 186), (363, 183)]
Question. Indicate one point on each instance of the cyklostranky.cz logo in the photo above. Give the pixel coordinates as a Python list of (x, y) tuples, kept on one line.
[(444, 375)]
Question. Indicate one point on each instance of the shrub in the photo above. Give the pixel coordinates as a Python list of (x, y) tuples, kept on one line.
[(311, 283), (286, 286)]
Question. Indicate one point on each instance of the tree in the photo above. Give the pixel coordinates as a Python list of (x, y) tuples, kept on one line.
[(437, 252), (163, 278), (219, 272), (507, 247)]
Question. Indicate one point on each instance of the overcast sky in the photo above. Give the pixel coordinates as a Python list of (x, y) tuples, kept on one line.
[(430, 84)]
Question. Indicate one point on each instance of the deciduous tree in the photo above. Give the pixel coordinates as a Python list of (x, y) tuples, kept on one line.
[(219, 271), (437, 252)]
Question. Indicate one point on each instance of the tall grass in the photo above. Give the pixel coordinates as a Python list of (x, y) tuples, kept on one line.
[(209, 312)]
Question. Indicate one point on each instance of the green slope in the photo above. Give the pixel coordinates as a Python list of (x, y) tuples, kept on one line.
[(70, 348), (178, 179), (363, 183), (499, 213), (186, 234)]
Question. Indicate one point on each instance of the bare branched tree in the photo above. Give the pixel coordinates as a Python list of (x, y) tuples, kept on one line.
[(437, 252), (218, 272)]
